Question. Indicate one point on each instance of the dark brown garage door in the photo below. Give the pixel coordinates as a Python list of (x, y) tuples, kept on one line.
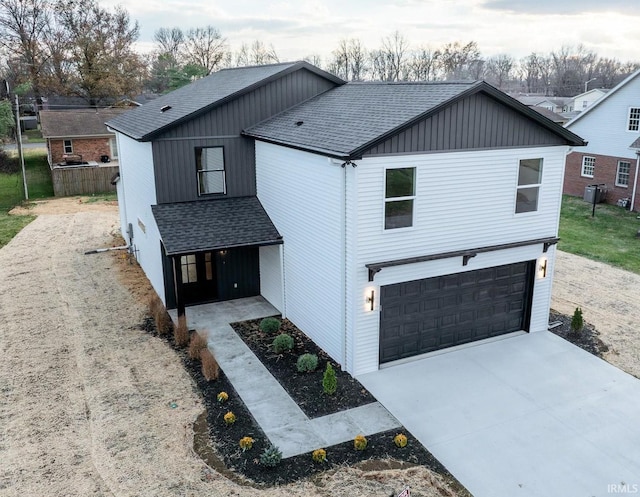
[(435, 313)]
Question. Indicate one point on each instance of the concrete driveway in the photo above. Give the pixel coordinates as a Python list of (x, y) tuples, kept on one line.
[(530, 415)]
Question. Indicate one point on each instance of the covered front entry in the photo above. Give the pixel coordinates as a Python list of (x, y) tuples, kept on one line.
[(430, 314)]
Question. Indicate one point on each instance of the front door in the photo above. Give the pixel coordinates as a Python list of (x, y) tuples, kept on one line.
[(198, 278)]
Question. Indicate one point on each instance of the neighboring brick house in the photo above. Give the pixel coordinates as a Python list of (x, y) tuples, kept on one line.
[(610, 125), (79, 135)]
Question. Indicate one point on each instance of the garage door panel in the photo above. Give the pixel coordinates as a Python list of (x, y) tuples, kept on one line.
[(434, 313)]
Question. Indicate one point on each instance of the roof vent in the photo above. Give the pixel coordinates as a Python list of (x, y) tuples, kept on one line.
[(299, 123), (165, 108)]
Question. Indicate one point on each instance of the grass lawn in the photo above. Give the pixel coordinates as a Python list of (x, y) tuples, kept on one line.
[(608, 237), (12, 193), (34, 136)]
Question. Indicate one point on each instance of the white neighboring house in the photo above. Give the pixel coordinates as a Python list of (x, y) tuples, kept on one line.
[(582, 102), (409, 224)]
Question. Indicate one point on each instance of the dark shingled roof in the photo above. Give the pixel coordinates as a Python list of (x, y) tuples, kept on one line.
[(347, 120), (77, 123), (200, 96), (188, 227), (635, 145)]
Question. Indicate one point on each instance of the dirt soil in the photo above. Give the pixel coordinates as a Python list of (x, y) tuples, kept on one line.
[(610, 301), (92, 405)]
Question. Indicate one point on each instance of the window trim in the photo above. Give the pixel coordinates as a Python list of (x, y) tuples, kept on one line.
[(617, 183), (386, 200), (199, 171), (528, 186), (64, 146), (582, 165), (636, 120), (113, 146)]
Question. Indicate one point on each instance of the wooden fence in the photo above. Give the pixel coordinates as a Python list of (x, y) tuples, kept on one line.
[(82, 180)]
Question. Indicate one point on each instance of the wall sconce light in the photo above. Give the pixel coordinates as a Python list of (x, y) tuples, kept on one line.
[(371, 299), (542, 268)]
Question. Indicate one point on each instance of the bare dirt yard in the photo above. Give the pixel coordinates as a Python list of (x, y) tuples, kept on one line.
[(87, 398)]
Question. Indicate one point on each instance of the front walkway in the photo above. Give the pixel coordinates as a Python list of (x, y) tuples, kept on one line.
[(531, 415), (282, 421)]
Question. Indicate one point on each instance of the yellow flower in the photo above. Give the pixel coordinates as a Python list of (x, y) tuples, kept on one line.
[(400, 440), (360, 442), (246, 443), (222, 397), (229, 418), (319, 455)]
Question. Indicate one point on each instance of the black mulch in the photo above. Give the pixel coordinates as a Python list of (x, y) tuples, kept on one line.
[(243, 467), (587, 339), (304, 388)]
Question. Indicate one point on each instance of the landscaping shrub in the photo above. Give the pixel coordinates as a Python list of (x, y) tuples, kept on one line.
[(229, 418), (307, 363), (210, 368), (271, 456), (198, 342), (270, 326), (329, 380), (222, 397), (360, 442), (181, 333), (319, 455), (400, 440), (246, 443), (8, 163), (576, 321), (159, 314), (282, 343)]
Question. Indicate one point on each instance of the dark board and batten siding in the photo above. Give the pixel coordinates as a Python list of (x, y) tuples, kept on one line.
[(475, 122), (174, 151)]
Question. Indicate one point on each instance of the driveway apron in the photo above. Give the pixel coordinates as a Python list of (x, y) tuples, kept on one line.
[(531, 415)]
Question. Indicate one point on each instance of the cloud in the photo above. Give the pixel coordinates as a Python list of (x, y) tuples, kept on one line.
[(564, 7)]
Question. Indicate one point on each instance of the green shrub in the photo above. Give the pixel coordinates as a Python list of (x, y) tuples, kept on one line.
[(8, 163), (360, 442), (282, 343), (270, 326), (576, 321), (271, 456), (319, 456), (329, 380), (307, 363)]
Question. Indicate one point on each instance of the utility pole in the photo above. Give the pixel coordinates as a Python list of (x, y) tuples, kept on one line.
[(20, 151)]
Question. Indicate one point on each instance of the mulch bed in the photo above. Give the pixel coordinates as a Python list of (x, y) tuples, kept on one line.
[(244, 467), (304, 388), (587, 339)]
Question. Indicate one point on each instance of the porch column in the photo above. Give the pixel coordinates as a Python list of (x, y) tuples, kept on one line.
[(177, 279)]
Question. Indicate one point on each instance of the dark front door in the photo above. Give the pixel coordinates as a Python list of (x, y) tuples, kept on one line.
[(198, 278), (435, 313)]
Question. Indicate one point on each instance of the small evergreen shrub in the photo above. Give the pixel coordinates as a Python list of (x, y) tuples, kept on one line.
[(271, 456), (360, 442), (319, 456), (246, 443), (400, 440), (329, 380), (577, 322), (307, 363), (282, 343), (196, 345), (181, 333), (229, 418), (270, 326), (210, 368), (222, 397)]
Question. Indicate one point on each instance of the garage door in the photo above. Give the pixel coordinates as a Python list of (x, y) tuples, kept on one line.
[(435, 313)]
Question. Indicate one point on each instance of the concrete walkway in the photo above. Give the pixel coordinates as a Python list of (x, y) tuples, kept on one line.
[(527, 416), (282, 421)]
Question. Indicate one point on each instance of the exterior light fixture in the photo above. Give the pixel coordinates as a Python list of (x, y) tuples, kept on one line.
[(542, 268), (371, 299)]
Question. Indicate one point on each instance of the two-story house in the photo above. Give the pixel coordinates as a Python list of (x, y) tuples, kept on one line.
[(385, 220), (610, 125)]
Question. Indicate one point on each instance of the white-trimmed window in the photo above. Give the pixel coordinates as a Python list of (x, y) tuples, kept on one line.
[(588, 166), (622, 173), (113, 145), (634, 119), (210, 170), (67, 146), (529, 182), (399, 197)]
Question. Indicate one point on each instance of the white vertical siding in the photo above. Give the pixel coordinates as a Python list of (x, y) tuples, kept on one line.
[(605, 125), (139, 194), (464, 200), (271, 276), (303, 195)]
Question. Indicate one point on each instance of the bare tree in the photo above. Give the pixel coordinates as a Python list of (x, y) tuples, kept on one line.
[(457, 59), (349, 60), (423, 64), (205, 47), (499, 68), (169, 41)]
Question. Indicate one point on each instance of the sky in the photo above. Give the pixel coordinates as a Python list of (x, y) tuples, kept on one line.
[(299, 28)]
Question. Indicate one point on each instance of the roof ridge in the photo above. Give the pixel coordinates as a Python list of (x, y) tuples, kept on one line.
[(273, 64)]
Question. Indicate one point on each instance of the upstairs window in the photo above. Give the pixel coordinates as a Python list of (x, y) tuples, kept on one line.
[(622, 174), (67, 146), (634, 119), (399, 197), (210, 170), (529, 181), (588, 166)]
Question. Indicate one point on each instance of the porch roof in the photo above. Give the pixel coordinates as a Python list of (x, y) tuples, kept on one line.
[(189, 227)]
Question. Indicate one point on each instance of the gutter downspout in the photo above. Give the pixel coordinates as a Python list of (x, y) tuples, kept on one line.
[(635, 181), (344, 267)]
